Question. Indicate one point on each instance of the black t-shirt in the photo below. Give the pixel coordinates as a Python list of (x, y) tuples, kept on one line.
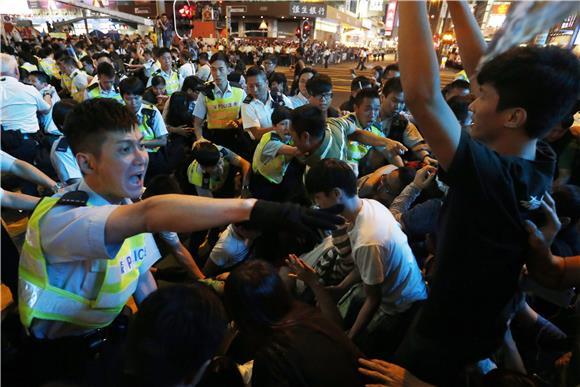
[(307, 350), (481, 244)]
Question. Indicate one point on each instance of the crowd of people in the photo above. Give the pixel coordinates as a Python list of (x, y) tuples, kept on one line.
[(198, 219)]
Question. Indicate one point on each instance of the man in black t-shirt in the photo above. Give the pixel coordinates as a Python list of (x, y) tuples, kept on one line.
[(497, 178)]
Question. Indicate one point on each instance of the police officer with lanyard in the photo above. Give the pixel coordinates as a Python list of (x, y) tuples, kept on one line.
[(222, 112), (173, 80), (89, 250)]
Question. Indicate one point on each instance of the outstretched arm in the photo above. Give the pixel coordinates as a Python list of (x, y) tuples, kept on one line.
[(421, 82)]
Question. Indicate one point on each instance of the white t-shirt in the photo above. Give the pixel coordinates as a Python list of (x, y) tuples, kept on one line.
[(19, 106), (186, 70), (230, 248), (204, 73), (382, 255)]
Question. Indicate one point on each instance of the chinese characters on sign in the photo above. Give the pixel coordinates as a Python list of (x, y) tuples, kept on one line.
[(308, 10), (390, 17)]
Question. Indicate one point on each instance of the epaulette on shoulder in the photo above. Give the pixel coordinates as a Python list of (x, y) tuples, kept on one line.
[(223, 152), (93, 86), (248, 99), (74, 198)]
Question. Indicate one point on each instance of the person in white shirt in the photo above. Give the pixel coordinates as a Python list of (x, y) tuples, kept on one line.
[(19, 107), (61, 157), (302, 97), (386, 277), (187, 67), (204, 70), (258, 106)]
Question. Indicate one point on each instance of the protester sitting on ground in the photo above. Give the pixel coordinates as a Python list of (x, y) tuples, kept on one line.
[(460, 107), (391, 71), (278, 84), (397, 127), (288, 339), (320, 95), (458, 87), (385, 183), (386, 276), (156, 93), (356, 84)]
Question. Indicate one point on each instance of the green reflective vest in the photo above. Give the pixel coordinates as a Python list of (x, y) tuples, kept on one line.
[(37, 298), (94, 91), (199, 178), (356, 150)]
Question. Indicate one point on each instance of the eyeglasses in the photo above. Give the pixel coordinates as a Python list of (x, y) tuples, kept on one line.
[(324, 96)]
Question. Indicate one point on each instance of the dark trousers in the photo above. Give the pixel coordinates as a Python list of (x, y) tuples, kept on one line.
[(24, 147), (289, 189)]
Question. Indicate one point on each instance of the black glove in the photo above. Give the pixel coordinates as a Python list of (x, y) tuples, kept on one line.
[(293, 217)]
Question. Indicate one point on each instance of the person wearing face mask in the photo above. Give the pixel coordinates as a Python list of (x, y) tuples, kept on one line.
[(259, 104), (221, 110)]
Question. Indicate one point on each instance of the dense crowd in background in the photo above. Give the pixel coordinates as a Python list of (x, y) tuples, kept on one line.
[(422, 283)]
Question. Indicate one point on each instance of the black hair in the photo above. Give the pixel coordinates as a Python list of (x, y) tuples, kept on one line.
[(161, 51), (87, 125), (319, 84), (178, 113), (393, 85), (391, 67), (86, 59), (359, 83), (367, 92), (41, 76), (176, 330), (44, 52), (106, 69), (219, 56), (191, 83), (379, 70), (255, 71), (329, 174), (131, 86), (162, 185), (310, 119), (308, 70), (206, 154), (158, 80), (544, 81), (278, 78), (459, 105), (203, 55), (100, 55), (406, 175), (255, 296), (271, 58), (457, 84), (60, 111), (68, 61), (222, 371), (280, 114)]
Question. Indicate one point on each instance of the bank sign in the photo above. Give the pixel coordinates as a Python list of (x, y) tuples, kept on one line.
[(308, 9)]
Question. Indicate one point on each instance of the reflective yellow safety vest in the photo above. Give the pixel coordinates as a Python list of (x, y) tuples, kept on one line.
[(171, 81), (50, 67), (29, 67), (221, 111), (37, 298), (274, 169), (356, 150), (147, 123), (94, 91), (199, 178)]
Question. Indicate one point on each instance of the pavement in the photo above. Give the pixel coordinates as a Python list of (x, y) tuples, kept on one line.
[(341, 76)]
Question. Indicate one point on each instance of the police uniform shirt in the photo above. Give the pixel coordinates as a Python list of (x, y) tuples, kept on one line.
[(6, 163), (111, 93), (73, 242), (186, 70), (63, 161), (19, 106), (167, 77), (200, 109), (256, 114), (298, 100), (335, 142), (158, 127), (46, 121)]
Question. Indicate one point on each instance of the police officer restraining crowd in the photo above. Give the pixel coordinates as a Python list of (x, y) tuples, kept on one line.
[(91, 248)]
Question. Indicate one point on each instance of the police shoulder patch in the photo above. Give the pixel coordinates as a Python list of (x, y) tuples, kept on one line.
[(93, 86), (248, 99), (74, 198)]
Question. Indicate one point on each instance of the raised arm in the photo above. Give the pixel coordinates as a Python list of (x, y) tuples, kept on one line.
[(421, 82)]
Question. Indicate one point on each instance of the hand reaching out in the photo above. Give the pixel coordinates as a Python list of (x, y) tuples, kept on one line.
[(388, 374), (301, 270), (424, 177)]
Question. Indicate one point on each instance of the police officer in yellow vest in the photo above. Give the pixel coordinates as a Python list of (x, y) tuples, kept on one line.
[(150, 123), (105, 87), (73, 80), (221, 110), (47, 63), (87, 251), (367, 106), (173, 80)]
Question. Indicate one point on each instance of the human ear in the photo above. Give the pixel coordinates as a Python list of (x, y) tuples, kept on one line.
[(86, 163), (517, 118)]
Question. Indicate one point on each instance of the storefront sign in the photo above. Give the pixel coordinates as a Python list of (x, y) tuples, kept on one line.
[(308, 9), (390, 17)]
